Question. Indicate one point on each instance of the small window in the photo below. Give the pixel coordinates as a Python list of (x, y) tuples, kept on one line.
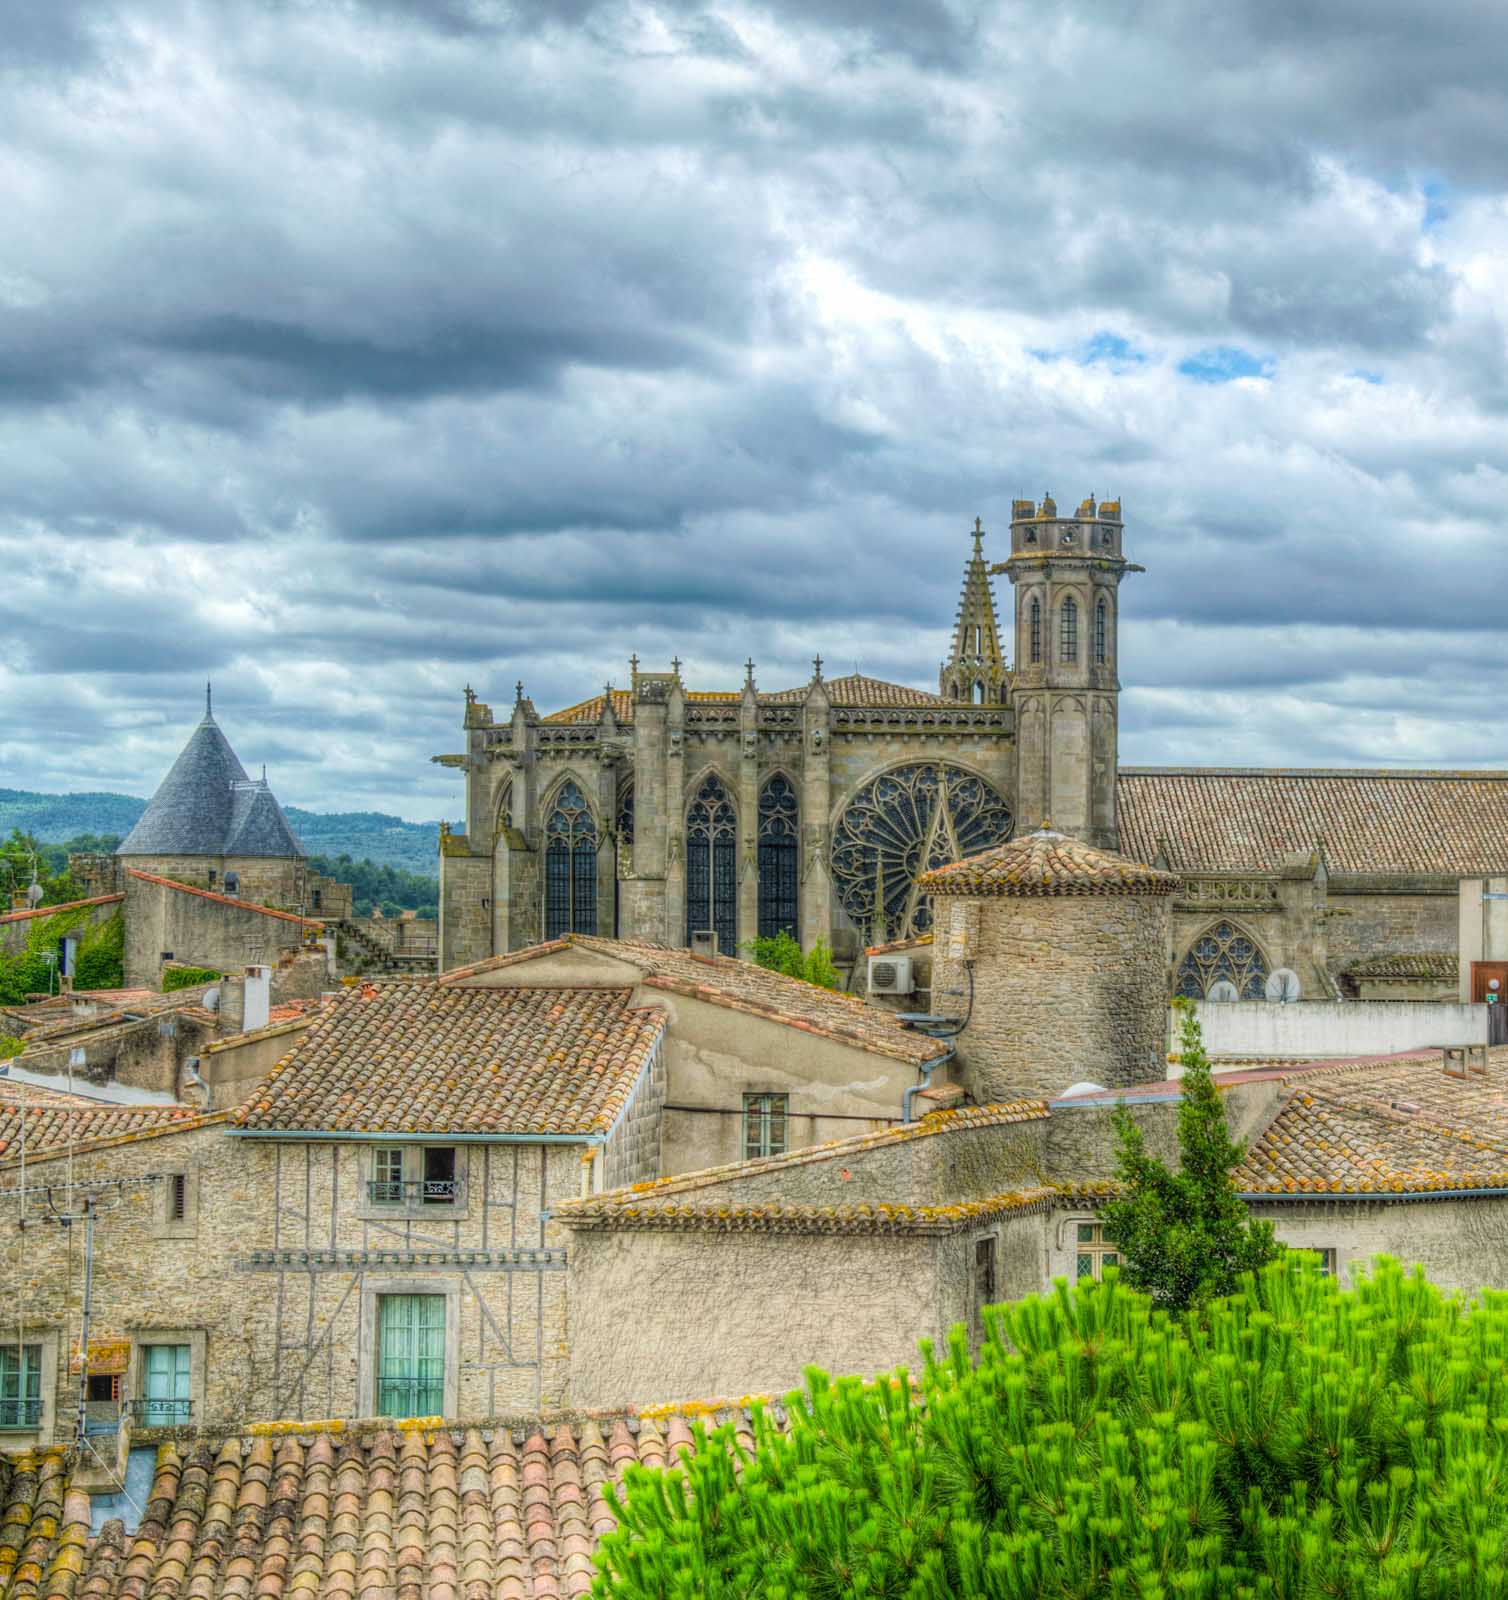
[(1036, 629), (165, 1385), (386, 1186), (440, 1186), (211, 877), (1094, 1253), (20, 1386), (316, 899), (104, 1388), (178, 1197), (985, 1252), (764, 1125), (1329, 1260), (1101, 639)]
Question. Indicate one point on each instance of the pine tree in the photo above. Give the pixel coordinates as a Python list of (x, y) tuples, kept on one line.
[(1185, 1236)]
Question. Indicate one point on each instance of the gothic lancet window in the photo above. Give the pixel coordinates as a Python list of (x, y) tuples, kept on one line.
[(778, 844), (1035, 625), (1223, 952), (1100, 639), (1068, 630), (570, 865), (623, 849), (898, 826), (712, 867)]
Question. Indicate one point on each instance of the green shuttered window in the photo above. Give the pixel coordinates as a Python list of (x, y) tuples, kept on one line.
[(410, 1355)]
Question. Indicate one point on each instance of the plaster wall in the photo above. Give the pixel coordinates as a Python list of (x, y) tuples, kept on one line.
[(1315, 1031)]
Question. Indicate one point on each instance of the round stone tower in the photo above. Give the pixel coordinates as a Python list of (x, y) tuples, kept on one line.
[(1057, 953)]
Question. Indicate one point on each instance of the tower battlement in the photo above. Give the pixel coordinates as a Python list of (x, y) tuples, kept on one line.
[(1089, 511)]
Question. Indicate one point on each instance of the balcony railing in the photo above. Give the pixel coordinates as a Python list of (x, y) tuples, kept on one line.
[(152, 1413), (20, 1413), (417, 1191)]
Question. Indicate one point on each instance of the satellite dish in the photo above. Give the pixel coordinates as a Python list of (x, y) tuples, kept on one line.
[(34, 895), (1283, 986), (1223, 990)]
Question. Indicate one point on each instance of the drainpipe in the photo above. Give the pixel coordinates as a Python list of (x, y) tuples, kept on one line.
[(191, 1072), (916, 1088)]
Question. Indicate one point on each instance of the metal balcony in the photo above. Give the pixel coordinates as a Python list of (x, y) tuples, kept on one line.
[(415, 1191)]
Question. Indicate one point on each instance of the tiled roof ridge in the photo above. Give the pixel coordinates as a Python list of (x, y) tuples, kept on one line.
[(169, 1120), (1404, 964), (223, 899), (862, 1216), (1386, 1111), (711, 995), (69, 905), (915, 941), (937, 1122)]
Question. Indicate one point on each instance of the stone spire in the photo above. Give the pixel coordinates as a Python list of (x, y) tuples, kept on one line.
[(976, 668)]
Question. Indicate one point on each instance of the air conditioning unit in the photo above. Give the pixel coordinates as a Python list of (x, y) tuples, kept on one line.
[(890, 975)]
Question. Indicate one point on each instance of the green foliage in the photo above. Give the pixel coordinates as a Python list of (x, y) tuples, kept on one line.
[(23, 859), (186, 977), (1296, 1442), (10, 1046), (33, 968), (374, 884), (782, 954), (1185, 1236), (101, 959)]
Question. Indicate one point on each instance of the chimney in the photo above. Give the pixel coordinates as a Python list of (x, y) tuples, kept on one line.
[(258, 999)]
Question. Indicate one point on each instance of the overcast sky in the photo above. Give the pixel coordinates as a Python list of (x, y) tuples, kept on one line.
[(354, 352)]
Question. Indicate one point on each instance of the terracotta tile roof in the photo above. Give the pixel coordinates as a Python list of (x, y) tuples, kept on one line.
[(687, 1193), (412, 1057), (1438, 966), (741, 986), (1400, 1128), (1227, 820), (915, 942), (222, 899), (1046, 863), (507, 1510), (53, 1122), (68, 905), (591, 710), (857, 690)]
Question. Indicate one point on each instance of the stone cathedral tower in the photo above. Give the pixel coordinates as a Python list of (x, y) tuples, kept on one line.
[(976, 670), (1066, 573)]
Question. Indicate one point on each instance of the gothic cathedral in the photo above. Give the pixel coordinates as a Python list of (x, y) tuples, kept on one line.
[(659, 812)]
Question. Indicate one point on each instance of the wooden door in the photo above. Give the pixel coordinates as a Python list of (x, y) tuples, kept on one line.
[(1482, 974)]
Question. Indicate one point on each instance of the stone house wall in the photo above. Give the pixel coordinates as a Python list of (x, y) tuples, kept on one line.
[(200, 930), (17, 927), (277, 881), (144, 1054), (633, 1151)]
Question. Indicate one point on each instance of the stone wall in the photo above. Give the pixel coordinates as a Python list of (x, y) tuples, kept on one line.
[(1066, 988), (277, 881), (146, 1053), (199, 930), (273, 1277), (18, 927), (632, 1153)]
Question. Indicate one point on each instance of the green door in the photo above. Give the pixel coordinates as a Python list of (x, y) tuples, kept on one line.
[(410, 1355), (165, 1384)]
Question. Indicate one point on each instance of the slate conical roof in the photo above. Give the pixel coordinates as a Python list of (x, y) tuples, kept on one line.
[(206, 803)]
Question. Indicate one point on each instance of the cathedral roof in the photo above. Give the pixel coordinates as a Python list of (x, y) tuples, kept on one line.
[(854, 689), (1220, 819), (1046, 863), (207, 806)]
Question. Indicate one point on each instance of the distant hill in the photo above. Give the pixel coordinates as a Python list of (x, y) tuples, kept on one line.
[(362, 835)]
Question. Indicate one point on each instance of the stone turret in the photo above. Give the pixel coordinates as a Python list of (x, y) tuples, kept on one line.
[(976, 670), (1057, 954), (1066, 573)]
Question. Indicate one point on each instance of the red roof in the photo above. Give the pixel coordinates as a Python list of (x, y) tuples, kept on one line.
[(52, 911)]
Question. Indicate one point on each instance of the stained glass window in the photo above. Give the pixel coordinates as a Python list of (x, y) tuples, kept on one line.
[(1068, 629), (712, 866), (1101, 641), (1035, 617), (570, 865), (778, 846), (900, 825), (1223, 952)]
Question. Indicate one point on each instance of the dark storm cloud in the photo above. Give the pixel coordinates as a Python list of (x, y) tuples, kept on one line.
[(352, 351)]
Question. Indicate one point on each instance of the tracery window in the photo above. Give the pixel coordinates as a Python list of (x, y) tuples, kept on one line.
[(1101, 642), (898, 826), (1035, 628), (778, 845), (1068, 630), (570, 865), (712, 866), (625, 818), (1223, 952)]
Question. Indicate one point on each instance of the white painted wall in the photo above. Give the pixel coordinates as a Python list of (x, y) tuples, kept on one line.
[(1317, 1030)]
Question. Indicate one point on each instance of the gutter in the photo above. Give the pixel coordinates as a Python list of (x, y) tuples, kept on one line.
[(437, 1136), (927, 1069), (1373, 1196)]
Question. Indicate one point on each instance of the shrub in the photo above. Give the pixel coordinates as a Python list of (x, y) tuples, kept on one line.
[(186, 977), (10, 1046), (100, 962), (781, 953), (1185, 1236), (1293, 1442)]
